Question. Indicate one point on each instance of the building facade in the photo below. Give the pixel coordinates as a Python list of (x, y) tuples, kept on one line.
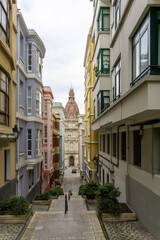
[(71, 131), (47, 139), (91, 137), (127, 109), (8, 130), (58, 107), (30, 52)]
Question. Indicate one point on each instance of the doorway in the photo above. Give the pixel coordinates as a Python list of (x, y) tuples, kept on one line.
[(71, 161)]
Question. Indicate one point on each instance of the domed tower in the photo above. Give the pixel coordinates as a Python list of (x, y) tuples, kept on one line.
[(71, 131), (71, 108)]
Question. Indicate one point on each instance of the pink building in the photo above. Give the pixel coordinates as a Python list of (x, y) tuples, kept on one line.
[(47, 139)]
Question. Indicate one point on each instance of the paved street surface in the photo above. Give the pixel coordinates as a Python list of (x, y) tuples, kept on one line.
[(77, 223), (10, 231)]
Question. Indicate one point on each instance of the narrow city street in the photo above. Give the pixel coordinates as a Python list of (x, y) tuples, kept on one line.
[(78, 223)]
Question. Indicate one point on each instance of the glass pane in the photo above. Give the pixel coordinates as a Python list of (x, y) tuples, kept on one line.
[(106, 93), (29, 91), (99, 62), (4, 20), (159, 44), (136, 70), (29, 102), (2, 102), (117, 85), (144, 51), (106, 10), (106, 62), (106, 24)]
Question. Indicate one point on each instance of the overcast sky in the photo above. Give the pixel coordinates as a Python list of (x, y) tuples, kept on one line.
[(63, 26)]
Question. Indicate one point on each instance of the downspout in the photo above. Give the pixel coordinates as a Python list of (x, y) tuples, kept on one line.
[(122, 125)]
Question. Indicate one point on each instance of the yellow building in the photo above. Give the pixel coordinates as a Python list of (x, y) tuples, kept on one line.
[(91, 137), (8, 131)]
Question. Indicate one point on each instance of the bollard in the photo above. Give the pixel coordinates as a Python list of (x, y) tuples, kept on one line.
[(66, 204)]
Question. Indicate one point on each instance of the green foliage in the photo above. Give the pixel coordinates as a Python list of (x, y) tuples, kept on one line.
[(90, 189), (57, 191), (106, 197), (81, 189), (15, 206), (45, 196), (96, 69)]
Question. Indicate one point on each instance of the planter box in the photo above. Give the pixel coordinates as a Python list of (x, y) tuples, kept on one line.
[(128, 216), (16, 218), (41, 202), (54, 197), (92, 201)]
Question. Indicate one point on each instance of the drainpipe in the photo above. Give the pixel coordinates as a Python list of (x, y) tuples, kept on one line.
[(122, 125)]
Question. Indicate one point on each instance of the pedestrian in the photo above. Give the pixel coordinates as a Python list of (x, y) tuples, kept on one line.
[(69, 194)]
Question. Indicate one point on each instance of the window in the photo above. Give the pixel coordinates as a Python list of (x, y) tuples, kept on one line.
[(88, 154), (71, 146), (88, 100), (103, 100), (117, 12), (103, 177), (156, 150), (29, 142), (123, 146), (104, 61), (29, 57), (45, 134), (38, 63), (114, 145), (7, 165), (107, 177), (45, 108), (29, 100), (104, 20), (117, 80), (146, 46), (38, 143), (31, 178), (141, 50), (38, 103), (45, 160), (21, 46), (4, 20), (108, 143), (88, 127), (4, 99), (137, 148), (104, 143)]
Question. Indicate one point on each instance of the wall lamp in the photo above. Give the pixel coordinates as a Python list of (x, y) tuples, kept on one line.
[(95, 159), (16, 131)]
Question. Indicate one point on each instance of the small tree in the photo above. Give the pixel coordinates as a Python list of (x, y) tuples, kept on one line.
[(81, 190), (90, 189), (45, 196), (57, 191), (106, 197)]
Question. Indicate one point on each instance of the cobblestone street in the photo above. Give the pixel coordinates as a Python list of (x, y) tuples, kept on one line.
[(10, 231)]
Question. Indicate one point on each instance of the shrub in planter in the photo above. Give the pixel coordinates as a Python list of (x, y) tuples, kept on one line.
[(90, 189), (57, 191), (81, 190), (45, 196), (15, 206), (106, 197)]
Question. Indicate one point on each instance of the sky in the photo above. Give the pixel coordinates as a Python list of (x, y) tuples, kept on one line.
[(63, 26)]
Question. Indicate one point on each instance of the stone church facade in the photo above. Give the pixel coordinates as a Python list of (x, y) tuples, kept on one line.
[(72, 139)]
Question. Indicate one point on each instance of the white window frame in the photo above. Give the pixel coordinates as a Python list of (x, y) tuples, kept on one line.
[(45, 108), (29, 97), (29, 152), (38, 143), (39, 101), (117, 79), (29, 57), (45, 133), (45, 160)]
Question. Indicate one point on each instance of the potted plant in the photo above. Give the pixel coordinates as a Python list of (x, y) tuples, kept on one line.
[(109, 207), (96, 70), (89, 191), (15, 210), (56, 192), (43, 199)]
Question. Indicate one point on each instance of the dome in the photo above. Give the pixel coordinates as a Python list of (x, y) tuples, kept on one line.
[(71, 108)]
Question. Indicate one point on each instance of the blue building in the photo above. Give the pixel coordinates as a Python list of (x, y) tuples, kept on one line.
[(30, 52), (58, 107)]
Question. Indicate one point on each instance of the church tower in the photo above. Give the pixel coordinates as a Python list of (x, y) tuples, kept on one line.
[(71, 131)]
